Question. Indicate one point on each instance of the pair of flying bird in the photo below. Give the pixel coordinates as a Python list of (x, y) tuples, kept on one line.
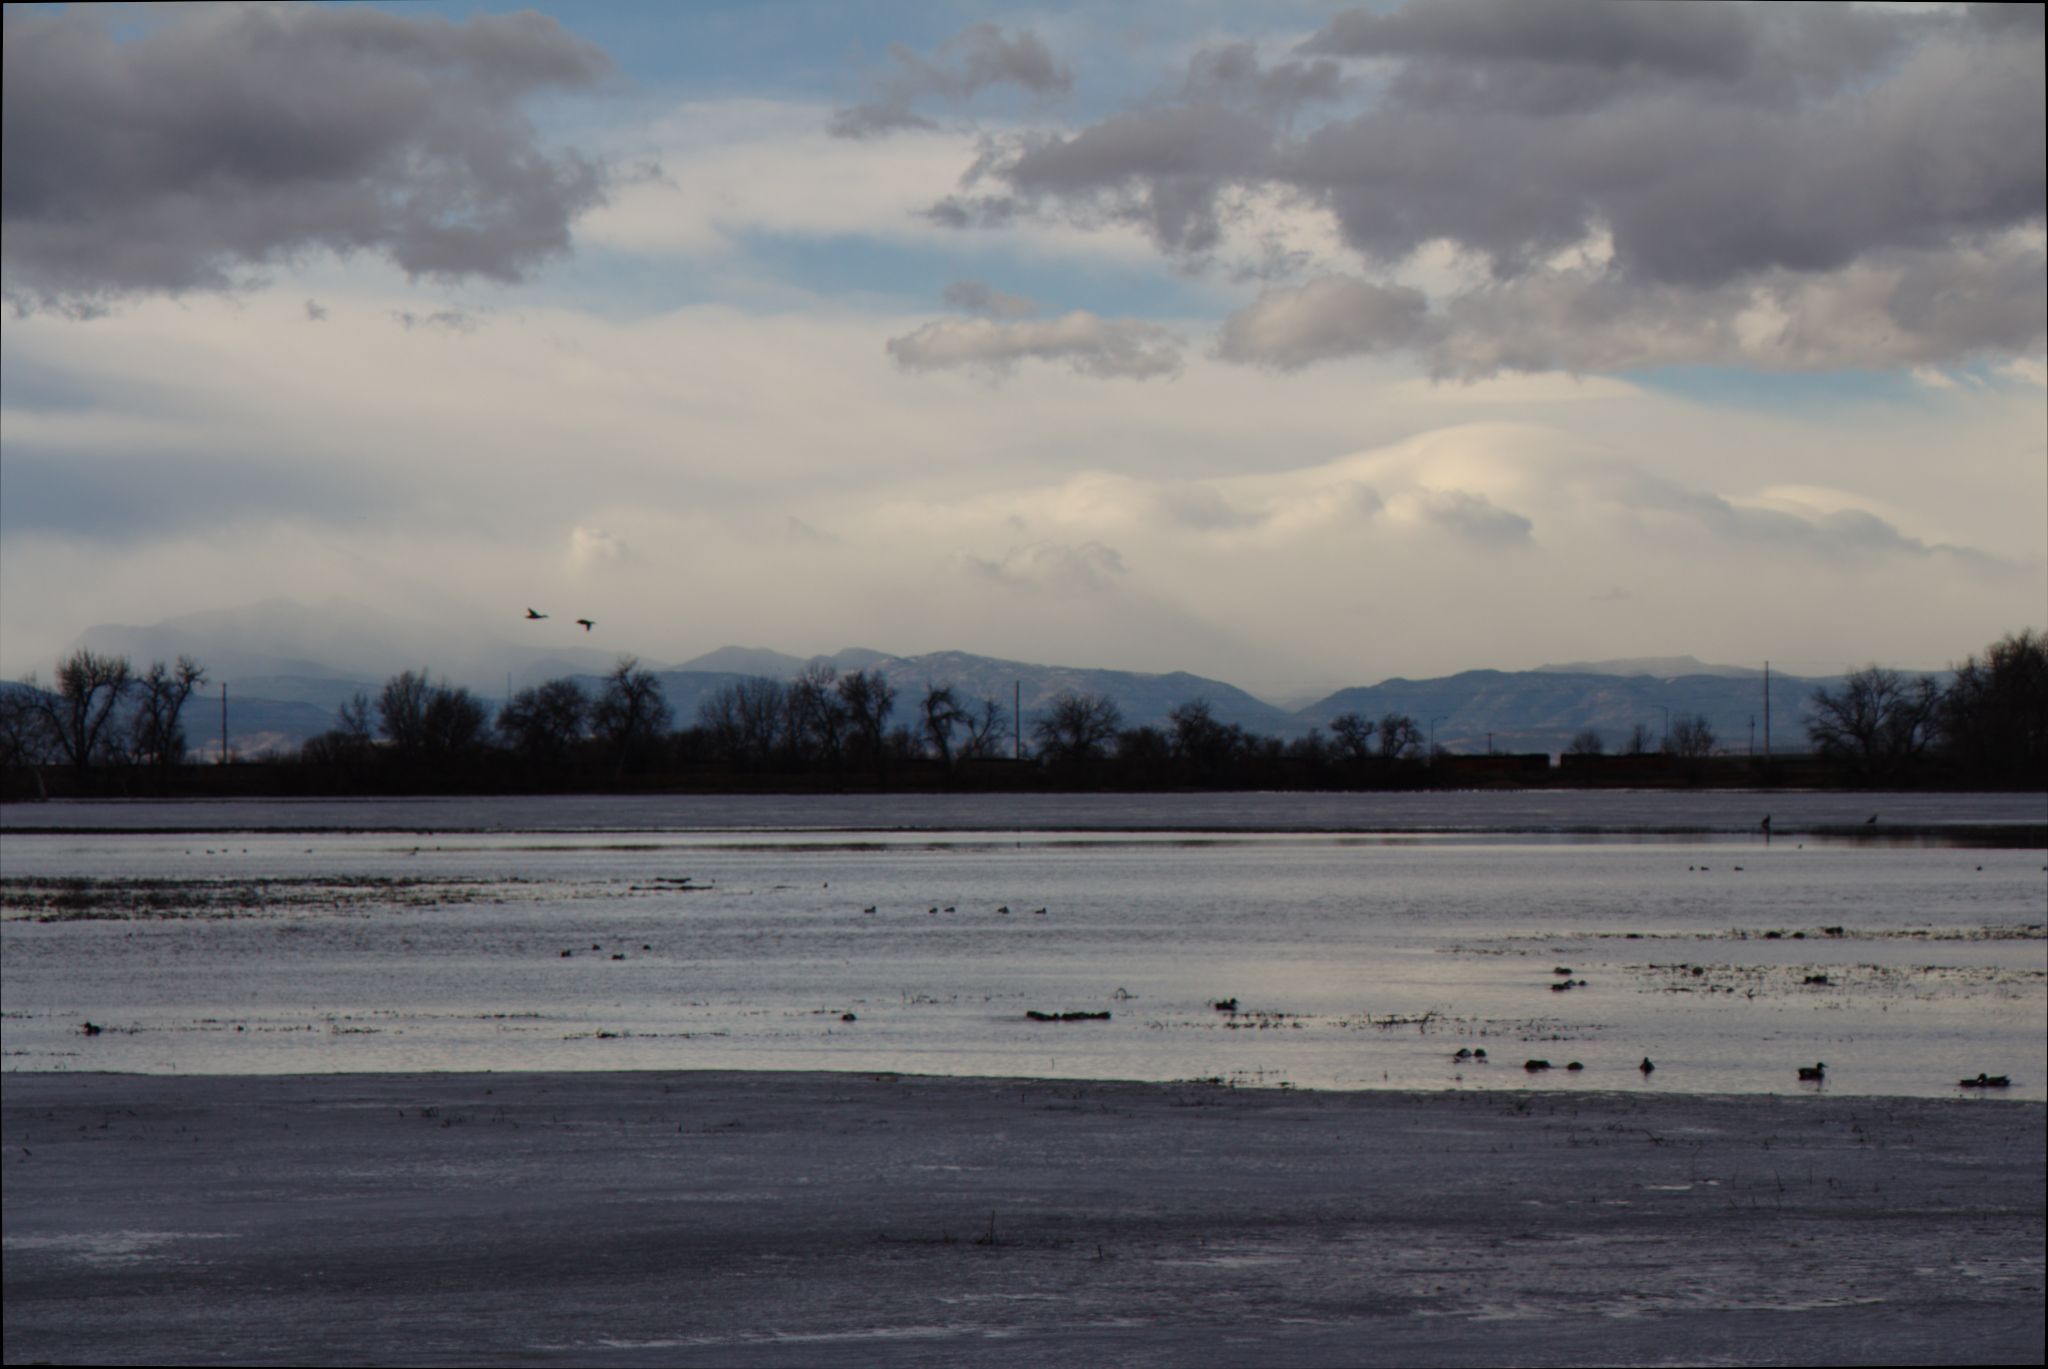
[(584, 623)]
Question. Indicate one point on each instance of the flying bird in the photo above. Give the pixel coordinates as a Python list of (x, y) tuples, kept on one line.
[(531, 616), (586, 624)]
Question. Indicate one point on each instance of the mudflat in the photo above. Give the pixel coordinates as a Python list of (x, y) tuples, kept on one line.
[(774, 1218)]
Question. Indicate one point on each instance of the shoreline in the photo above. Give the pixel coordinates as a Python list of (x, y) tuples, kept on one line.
[(736, 1217)]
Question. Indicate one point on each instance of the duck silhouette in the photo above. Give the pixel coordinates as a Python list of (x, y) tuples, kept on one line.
[(533, 616), (585, 623), (1816, 1071)]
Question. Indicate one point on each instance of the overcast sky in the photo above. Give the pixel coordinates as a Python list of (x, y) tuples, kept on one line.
[(1299, 346)]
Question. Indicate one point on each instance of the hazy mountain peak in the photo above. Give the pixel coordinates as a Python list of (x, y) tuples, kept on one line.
[(1660, 667)]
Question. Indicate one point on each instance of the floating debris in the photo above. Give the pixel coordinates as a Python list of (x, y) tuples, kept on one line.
[(1036, 1016)]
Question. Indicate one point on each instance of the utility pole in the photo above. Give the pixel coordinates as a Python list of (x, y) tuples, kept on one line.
[(223, 722), (1017, 718), (1767, 713)]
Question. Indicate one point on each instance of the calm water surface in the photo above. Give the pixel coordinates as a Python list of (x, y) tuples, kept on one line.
[(1365, 939)]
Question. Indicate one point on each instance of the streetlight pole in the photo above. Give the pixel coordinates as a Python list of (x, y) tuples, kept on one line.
[(1665, 740), (1432, 735)]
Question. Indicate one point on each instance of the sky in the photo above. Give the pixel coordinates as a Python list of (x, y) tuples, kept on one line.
[(1295, 345)]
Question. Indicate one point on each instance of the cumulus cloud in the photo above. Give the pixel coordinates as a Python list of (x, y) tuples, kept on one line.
[(977, 57), (1630, 185), (1124, 349), (227, 139)]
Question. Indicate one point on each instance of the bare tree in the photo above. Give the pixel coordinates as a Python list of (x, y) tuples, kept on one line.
[(869, 699), (402, 711), (631, 715), (1354, 736), (985, 730), (939, 712), (815, 719), (157, 737), (89, 688), (425, 718), (1641, 742), (1077, 727), (1994, 715), (25, 739), (1586, 742), (1398, 736), (1692, 736), (1877, 723), (544, 722), (1199, 741)]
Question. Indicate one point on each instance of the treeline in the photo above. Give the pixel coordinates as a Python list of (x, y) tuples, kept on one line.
[(104, 727)]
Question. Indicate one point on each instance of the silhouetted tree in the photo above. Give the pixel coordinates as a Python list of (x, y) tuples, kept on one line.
[(814, 721), (156, 735), (1398, 736), (89, 688), (1354, 736), (1641, 742), (987, 728), (424, 719), (631, 715), (1691, 737), (1994, 714), (1586, 742), (1076, 727), (869, 698), (939, 712), (1201, 744), (1877, 723), (544, 723)]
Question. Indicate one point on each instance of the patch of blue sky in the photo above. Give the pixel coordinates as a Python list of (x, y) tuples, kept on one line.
[(1792, 393), (768, 271), (917, 275)]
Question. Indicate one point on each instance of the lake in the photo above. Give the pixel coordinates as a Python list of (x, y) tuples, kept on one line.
[(1364, 939)]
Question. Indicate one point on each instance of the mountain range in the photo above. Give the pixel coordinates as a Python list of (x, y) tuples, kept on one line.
[(287, 667)]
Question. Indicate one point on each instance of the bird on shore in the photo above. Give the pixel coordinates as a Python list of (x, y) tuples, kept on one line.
[(1870, 821), (1766, 824), (1646, 1066), (533, 617), (586, 624), (1814, 1072), (92, 1029)]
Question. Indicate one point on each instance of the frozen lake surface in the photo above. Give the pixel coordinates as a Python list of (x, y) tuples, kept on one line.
[(1365, 939)]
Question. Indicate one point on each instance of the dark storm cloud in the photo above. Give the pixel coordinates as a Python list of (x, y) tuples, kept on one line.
[(977, 57), (1714, 152), (229, 138), (1232, 72)]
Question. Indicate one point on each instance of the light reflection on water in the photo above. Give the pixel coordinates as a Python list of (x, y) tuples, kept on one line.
[(1356, 961)]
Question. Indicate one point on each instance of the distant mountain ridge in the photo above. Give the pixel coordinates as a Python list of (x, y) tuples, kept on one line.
[(288, 667)]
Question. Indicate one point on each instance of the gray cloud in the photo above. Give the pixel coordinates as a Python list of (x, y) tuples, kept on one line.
[(1475, 517), (979, 297), (1331, 316), (1108, 348), (977, 57), (228, 139), (1232, 73), (447, 320), (1052, 568), (1717, 152)]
